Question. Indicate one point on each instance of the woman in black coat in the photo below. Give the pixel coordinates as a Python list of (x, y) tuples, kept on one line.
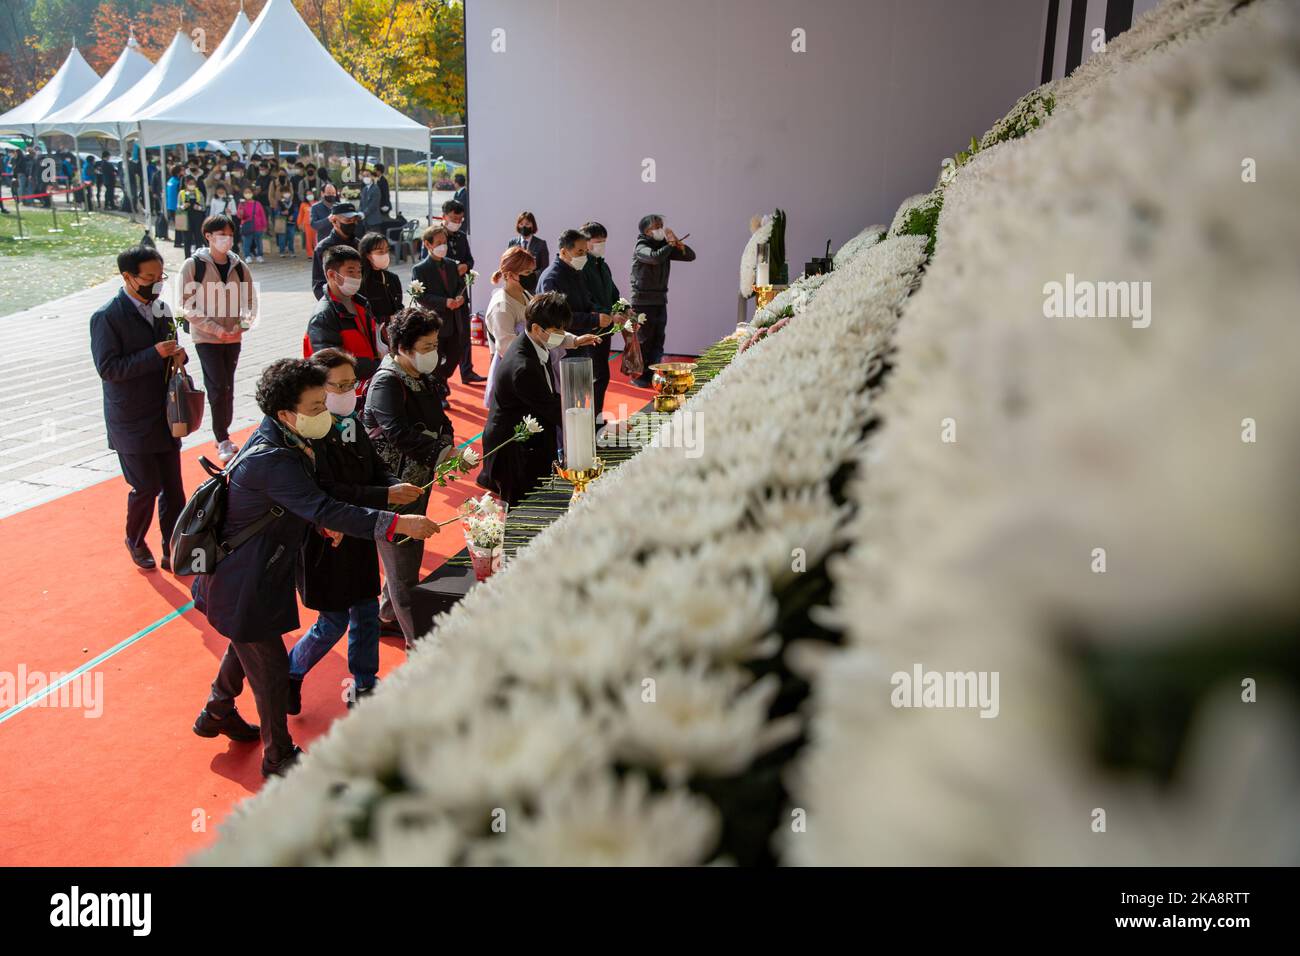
[(527, 238), (339, 576), (523, 386), (412, 434), (381, 288)]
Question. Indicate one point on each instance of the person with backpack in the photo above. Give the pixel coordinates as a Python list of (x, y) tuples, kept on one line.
[(340, 579), (272, 502), (189, 215), (220, 301), (252, 223)]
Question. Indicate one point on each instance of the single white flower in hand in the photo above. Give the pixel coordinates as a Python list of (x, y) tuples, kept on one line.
[(470, 457), (532, 425), (416, 287)]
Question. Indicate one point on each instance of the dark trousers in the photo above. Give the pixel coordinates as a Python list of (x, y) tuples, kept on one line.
[(651, 335), (467, 349), (152, 475), (219, 360), (450, 344), (266, 665)]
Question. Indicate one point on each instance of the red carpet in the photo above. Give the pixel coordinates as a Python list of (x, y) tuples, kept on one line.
[(133, 786)]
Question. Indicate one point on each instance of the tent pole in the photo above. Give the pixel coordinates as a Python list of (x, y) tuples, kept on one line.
[(126, 174), (428, 177), (144, 177)]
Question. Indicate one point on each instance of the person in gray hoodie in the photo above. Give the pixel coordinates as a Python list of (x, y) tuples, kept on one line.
[(219, 301)]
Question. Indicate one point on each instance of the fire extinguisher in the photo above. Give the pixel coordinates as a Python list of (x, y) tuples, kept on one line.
[(477, 331)]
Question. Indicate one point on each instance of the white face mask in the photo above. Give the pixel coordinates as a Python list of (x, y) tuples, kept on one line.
[(554, 340), (380, 260), (439, 251), (424, 362), (341, 405), (366, 180), (657, 233), (453, 226), (347, 285), (221, 243), (597, 249), (578, 262)]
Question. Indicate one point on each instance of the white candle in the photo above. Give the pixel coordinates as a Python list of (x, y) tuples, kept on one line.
[(579, 438), (761, 274)]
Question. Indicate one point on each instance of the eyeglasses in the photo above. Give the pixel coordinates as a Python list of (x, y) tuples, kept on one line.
[(342, 387)]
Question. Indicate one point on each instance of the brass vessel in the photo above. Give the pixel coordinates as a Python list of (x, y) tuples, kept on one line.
[(580, 478), (672, 380)]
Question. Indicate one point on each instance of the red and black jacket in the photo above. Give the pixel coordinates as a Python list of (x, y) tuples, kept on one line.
[(332, 326)]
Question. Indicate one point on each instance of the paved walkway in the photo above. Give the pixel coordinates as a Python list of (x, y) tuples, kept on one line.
[(52, 437)]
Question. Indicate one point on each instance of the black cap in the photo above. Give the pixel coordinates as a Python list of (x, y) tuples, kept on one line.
[(344, 209)]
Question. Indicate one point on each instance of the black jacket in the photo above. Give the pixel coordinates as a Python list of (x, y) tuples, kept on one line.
[(318, 260), (332, 326), (519, 388), (601, 289), (562, 277), (250, 596), (382, 291), (651, 261), (540, 252), (347, 467), (412, 423), (133, 374), (458, 247)]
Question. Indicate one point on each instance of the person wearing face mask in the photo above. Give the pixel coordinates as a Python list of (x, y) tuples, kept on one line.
[(444, 294), (380, 287), (340, 576), (219, 298), (524, 384), (133, 346), (274, 502), (342, 318), (320, 210), (603, 293), (526, 238), (344, 222), (369, 202), (189, 215), (252, 224), (504, 319), (461, 195), (566, 275), (453, 217), (385, 195), (656, 250), (412, 434)]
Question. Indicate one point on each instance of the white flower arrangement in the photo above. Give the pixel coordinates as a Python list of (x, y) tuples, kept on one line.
[(484, 520), (759, 234)]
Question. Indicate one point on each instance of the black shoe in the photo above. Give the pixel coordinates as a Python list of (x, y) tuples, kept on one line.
[(232, 725), (280, 767), (389, 628), (446, 404), (358, 695), (295, 696), (473, 378), (166, 563), (142, 556)]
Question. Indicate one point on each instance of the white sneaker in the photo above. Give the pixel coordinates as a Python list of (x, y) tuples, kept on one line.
[(260, 259), (227, 450)]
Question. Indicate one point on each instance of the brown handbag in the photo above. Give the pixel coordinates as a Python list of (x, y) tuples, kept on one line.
[(184, 402)]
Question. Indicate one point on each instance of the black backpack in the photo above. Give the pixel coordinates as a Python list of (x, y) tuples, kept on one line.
[(197, 544)]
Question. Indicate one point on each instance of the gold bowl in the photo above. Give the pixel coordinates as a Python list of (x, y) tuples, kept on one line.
[(764, 294), (580, 479), (672, 380)]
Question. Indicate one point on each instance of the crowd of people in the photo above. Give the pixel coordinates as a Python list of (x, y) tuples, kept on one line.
[(335, 481), (34, 177)]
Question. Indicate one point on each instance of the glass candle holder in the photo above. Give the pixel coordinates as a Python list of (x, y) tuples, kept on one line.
[(763, 263), (578, 411)]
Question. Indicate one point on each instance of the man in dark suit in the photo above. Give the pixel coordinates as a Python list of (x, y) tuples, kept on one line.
[(133, 347), (444, 293), (523, 385), (319, 214), (462, 195), (453, 217), (249, 597), (345, 220), (602, 293), (565, 275)]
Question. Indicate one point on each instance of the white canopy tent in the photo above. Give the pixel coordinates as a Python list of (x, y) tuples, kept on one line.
[(131, 67), (308, 97), (197, 80), (73, 80)]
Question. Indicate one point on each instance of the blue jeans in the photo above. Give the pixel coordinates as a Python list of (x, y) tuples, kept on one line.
[(361, 621), (252, 241), (285, 239)]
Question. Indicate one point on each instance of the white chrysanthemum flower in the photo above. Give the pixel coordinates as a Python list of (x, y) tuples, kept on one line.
[(532, 425), (725, 618), (470, 457), (701, 720), (604, 821)]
